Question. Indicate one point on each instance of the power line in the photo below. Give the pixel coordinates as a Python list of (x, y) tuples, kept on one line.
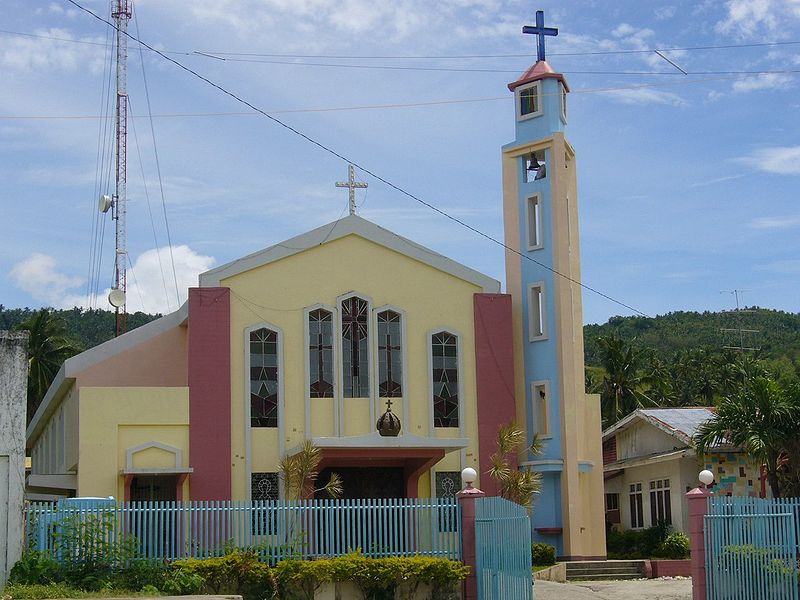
[(333, 152)]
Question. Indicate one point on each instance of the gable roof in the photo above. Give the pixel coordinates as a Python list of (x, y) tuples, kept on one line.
[(351, 225), (681, 423)]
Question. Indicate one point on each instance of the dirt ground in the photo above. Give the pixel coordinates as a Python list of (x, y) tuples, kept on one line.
[(643, 589)]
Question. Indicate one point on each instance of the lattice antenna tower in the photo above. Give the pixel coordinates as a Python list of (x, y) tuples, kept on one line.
[(121, 14), (739, 330)]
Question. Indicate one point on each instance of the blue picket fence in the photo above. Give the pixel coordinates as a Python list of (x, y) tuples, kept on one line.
[(752, 548), (275, 530), (503, 550)]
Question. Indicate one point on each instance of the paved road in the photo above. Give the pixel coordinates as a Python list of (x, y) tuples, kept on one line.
[(644, 589)]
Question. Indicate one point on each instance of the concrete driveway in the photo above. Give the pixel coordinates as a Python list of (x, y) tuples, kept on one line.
[(641, 589)]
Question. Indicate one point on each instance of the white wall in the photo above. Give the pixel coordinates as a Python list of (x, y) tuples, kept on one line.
[(642, 439), (13, 391)]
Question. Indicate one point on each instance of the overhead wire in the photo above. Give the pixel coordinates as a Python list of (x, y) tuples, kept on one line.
[(385, 181), (158, 169)]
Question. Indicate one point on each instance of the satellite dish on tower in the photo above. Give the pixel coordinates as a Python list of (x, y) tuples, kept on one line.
[(116, 297), (105, 203)]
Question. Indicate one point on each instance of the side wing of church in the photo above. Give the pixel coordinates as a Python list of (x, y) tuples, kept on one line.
[(314, 338)]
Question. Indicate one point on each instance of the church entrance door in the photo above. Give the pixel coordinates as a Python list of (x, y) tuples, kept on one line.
[(366, 482)]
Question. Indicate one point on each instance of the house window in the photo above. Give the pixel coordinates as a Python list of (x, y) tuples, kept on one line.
[(612, 502), (528, 101), (390, 355), (264, 488), (355, 347), (637, 510), (533, 217), (563, 90), (444, 352), (540, 396), (264, 378), (320, 353), (660, 504), (537, 327)]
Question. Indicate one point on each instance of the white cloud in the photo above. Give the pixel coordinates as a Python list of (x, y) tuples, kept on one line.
[(775, 222), (34, 54), (644, 96), (761, 82), (38, 276), (783, 160), (750, 18), (665, 12)]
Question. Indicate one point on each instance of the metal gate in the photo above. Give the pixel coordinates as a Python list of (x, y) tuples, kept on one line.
[(751, 556), (503, 550)]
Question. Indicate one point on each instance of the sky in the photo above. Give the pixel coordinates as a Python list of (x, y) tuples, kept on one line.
[(688, 183)]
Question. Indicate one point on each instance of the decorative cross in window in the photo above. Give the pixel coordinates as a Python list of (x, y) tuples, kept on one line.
[(354, 331), (539, 30), (392, 388), (352, 184)]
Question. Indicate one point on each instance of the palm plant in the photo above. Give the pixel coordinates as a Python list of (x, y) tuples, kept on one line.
[(516, 485), (621, 389), (300, 471), (762, 419), (48, 348)]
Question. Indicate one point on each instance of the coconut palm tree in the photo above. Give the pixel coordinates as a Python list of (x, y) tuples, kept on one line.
[(622, 385), (517, 485), (762, 418), (48, 348)]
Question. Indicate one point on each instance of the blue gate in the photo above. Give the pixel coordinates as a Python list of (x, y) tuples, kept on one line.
[(751, 549), (503, 550)]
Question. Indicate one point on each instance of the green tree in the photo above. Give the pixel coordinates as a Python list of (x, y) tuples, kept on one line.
[(762, 418), (515, 484), (48, 348), (299, 472), (624, 378)]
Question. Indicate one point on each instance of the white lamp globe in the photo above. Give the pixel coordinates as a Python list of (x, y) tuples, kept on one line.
[(469, 475), (706, 477)]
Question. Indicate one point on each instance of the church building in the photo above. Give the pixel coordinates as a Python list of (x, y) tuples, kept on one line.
[(400, 368)]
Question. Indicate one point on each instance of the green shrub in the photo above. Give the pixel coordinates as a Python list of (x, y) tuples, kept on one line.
[(238, 572), (543, 555), (35, 568), (633, 544), (675, 546)]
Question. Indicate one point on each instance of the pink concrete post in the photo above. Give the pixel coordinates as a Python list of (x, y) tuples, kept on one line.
[(466, 498), (697, 500)]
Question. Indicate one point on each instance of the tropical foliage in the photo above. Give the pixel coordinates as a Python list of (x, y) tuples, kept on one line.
[(763, 418), (300, 470), (518, 485)]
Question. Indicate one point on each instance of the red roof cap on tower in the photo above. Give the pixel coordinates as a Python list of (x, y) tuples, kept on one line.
[(541, 70)]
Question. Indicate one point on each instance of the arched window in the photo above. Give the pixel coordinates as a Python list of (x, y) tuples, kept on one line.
[(320, 353), (264, 378), (444, 354), (390, 355), (355, 347)]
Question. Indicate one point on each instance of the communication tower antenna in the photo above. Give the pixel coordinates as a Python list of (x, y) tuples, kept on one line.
[(117, 298)]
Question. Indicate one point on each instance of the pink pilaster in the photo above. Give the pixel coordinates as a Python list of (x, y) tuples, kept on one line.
[(494, 368), (210, 393), (697, 501), (466, 498)]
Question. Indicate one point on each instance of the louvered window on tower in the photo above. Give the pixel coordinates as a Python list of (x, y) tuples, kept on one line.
[(264, 378), (444, 354), (537, 324), (529, 101), (533, 219)]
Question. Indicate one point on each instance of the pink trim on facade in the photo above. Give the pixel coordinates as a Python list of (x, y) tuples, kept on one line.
[(494, 371), (210, 393), (468, 545), (697, 501)]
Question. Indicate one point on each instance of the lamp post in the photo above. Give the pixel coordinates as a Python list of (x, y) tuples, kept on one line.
[(697, 506)]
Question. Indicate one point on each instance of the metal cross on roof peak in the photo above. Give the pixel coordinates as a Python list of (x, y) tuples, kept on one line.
[(352, 184), (540, 30)]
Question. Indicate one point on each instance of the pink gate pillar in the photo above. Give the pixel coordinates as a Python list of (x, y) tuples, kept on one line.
[(466, 498), (697, 500)]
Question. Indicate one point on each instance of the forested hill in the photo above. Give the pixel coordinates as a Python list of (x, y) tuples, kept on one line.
[(87, 328), (775, 333)]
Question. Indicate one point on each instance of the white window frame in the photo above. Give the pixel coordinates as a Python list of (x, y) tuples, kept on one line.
[(339, 393), (518, 101), (537, 402), (541, 317), (307, 366), (666, 492), (460, 363), (641, 493), (563, 98), (379, 402), (538, 226)]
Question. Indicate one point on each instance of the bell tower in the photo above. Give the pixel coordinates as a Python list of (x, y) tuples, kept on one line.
[(540, 209)]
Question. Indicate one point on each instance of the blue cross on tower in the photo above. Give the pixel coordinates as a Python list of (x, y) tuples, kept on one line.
[(541, 31)]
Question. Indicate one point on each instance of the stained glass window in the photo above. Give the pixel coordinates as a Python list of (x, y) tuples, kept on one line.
[(320, 353), (264, 487), (390, 355), (444, 351), (264, 378), (355, 347)]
